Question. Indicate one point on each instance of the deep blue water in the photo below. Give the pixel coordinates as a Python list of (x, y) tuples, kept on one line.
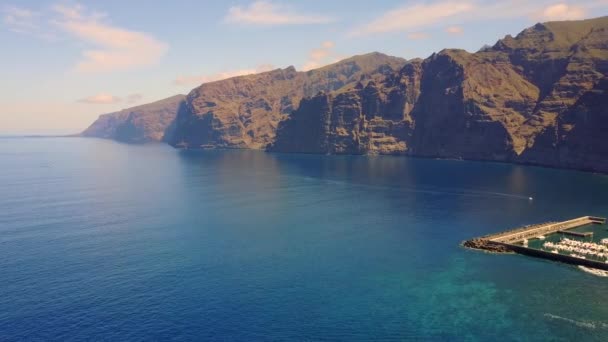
[(106, 241)]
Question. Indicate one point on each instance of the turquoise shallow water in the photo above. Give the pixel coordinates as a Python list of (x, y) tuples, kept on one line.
[(106, 241)]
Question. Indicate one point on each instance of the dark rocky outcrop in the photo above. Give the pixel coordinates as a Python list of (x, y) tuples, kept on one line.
[(486, 245)]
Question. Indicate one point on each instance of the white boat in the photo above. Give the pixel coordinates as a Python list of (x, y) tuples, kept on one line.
[(594, 271), (542, 237)]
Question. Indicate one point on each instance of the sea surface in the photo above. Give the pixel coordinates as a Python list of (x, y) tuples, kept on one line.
[(106, 241)]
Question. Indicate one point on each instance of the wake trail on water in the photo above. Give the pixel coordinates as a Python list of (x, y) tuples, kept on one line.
[(582, 324), (477, 193), (440, 191)]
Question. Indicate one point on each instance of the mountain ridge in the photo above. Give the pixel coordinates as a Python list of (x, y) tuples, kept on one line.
[(526, 99)]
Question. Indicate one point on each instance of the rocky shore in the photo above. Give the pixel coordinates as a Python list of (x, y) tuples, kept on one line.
[(486, 245)]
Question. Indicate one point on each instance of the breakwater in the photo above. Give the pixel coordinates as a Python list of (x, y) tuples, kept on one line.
[(515, 240)]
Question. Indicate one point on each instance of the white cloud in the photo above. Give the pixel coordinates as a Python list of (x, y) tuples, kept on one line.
[(321, 56), (418, 36), (115, 48), (109, 47), (25, 21), (269, 13), (423, 15), (19, 20), (563, 11), (454, 30), (328, 44), (106, 99), (195, 80), (101, 98), (412, 17), (71, 12)]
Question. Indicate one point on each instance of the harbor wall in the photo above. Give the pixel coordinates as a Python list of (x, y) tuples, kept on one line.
[(555, 257)]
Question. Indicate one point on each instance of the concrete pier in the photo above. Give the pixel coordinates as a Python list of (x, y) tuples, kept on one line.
[(545, 229), (577, 234)]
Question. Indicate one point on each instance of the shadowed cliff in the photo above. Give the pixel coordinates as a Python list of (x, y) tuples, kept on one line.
[(145, 123)]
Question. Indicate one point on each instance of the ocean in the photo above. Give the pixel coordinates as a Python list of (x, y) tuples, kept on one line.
[(106, 241)]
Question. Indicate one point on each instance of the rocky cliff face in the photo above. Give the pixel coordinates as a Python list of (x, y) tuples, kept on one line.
[(244, 112), (374, 118), (145, 123), (537, 98)]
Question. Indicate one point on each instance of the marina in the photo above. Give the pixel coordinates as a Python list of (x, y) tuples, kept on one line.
[(577, 241)]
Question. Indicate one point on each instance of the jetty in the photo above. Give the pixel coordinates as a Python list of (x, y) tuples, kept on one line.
[(578, 234), (516, 241)]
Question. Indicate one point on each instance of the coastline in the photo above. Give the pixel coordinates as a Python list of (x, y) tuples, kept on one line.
[(512, 162)]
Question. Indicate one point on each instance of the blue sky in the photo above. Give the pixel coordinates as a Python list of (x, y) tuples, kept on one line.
[(63, 63)]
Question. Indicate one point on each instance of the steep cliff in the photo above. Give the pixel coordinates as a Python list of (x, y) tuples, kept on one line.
[(374, 118), (537, 98), (244, 112), (145, 123)]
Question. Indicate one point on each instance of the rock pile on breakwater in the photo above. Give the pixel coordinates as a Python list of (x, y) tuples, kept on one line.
[(486, 245)]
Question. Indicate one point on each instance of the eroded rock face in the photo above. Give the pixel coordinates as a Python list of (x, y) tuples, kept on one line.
[(578, 139), (538, 98), (145, 123), (371, 119), (245, 111)]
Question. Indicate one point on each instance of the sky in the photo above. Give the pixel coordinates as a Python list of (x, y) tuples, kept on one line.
[(63, 63)]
